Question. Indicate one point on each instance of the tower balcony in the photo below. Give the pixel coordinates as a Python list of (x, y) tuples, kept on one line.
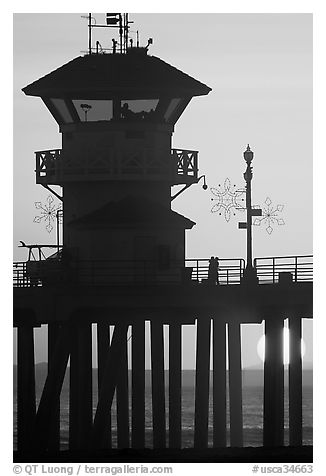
[(54, 167)]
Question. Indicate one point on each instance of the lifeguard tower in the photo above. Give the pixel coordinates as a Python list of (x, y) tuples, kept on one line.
[(116, 113)]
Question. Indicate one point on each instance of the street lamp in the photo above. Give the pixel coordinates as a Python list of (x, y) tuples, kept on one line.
[(85, 108), (250, 274)]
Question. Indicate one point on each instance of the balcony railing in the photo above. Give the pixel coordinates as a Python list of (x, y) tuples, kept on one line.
[(52, 167), (186, 162), (48, 165)]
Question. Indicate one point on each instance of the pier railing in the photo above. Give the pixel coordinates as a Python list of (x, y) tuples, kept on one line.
[(299, 267), (147, 272), (125, 272)]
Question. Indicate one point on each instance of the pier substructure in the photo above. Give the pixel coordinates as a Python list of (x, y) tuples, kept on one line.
[(220, 309)]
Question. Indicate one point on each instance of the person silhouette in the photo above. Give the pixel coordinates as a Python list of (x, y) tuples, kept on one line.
[(126, 113), (213, 270), (217, 268)]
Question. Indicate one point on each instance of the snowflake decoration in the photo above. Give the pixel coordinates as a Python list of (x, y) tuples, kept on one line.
[(270, 216), (227, 199), (48, 213)]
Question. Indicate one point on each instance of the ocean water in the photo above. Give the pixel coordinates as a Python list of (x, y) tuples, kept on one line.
[(252, 417)]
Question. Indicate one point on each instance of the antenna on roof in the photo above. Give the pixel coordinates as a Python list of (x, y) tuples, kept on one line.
[(149, 42), (113, 20), (90, 18), (90, 33)]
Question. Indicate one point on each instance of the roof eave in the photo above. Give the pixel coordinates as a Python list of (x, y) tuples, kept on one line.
[(113, 91)]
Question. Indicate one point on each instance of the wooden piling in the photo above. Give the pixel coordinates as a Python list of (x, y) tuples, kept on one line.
[(202, 382), (54, 440), (80, 396), (274, 383), (123, 399), (235, 384), (103, 345), (138, 385), (108, 386), (26, 406), (175, 385), (219, 383), (158, 388), (295, 382), (47, 409)]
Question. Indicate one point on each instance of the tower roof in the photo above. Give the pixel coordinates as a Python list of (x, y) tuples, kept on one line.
[(133, 212), (103, 75)]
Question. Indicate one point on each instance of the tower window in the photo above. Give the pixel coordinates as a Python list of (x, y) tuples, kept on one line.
[(90, 110), (138, 109)]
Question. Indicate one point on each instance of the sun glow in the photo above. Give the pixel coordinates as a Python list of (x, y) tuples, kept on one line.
[(286, 347)]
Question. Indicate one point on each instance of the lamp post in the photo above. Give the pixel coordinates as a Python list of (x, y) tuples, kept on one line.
[(248, 156), (250, 274), (85, 108)]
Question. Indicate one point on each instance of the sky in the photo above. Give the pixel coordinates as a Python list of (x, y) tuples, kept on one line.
[(259, 67)]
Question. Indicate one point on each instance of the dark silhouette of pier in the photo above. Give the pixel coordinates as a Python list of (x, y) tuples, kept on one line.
[(122, 263)]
